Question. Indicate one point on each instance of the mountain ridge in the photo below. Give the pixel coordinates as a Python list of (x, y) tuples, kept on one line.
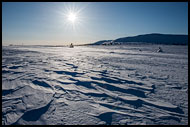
[(153, 38)]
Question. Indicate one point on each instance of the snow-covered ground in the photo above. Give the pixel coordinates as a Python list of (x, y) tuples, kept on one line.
[(95, 85)]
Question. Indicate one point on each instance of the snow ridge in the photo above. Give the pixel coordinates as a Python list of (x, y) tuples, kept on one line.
[(88, 85)]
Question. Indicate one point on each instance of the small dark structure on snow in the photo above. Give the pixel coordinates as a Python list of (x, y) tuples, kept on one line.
[(71, 45), (159, 49)]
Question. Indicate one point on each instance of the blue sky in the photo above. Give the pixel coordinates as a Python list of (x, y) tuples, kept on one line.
[(42, 23)]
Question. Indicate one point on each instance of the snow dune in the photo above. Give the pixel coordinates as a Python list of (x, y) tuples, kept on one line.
[(95, 85)]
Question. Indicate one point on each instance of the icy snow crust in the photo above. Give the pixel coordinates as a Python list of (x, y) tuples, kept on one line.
[(95, 85)]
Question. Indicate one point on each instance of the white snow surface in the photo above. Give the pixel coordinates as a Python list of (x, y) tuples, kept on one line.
[(95, 85)]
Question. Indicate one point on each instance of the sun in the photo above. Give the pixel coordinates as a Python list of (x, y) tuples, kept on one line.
[(72, 17)]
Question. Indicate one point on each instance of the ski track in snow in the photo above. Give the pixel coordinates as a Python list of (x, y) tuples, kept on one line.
[(95, 85)]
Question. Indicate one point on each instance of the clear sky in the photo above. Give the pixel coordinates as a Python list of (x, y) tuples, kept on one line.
[(44, 23)]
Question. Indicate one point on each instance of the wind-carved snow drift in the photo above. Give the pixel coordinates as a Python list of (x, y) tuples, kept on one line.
[(95, 85)]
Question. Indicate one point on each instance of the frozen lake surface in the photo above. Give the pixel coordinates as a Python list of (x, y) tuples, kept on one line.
[(95, 85)]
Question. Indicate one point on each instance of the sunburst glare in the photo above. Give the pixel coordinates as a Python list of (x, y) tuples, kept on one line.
[(72, 16)]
